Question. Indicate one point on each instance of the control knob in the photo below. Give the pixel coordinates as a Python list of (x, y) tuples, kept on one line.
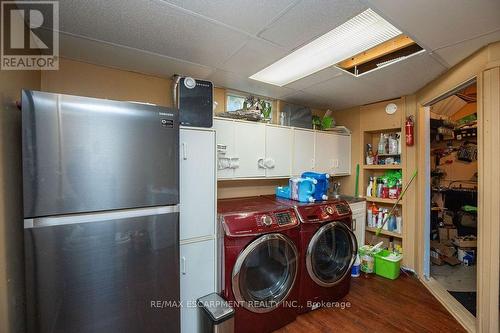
[(266, 220), (329, 210)]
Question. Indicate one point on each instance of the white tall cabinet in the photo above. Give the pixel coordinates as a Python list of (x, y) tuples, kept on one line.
[(197, 221)]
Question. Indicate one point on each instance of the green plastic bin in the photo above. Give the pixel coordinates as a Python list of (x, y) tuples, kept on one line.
[(387, 264)]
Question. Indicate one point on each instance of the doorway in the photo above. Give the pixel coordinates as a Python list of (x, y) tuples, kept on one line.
[(453, 194)]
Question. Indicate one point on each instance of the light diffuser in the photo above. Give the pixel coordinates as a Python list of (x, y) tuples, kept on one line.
[(360, 33)]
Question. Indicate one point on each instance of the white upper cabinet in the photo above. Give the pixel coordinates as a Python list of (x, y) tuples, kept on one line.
[(257, 150), (226, 158), (197, 183), (303, 151), (250, 146), (323, 152), (342, 152), (332, 153), (278, 161)]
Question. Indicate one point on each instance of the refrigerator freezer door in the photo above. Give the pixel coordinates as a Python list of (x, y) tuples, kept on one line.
[(84, 154), (104, 272)]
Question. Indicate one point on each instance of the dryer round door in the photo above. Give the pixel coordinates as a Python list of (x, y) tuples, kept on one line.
[(331, 254), (265, 273)]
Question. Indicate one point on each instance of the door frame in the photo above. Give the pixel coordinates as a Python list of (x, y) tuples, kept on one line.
[(488, 106)]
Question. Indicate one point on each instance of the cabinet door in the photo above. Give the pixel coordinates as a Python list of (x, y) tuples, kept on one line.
[(197, 183), (303, 151), (197, 264), (278, 151), (250, 148), (225, 146), (342, 152), (358, 225), (323, 153)]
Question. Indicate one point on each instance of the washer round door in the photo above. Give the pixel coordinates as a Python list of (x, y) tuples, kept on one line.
[(331, 254), (265, 273)]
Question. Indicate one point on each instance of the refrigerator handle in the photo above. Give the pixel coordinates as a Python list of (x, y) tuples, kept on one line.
[(184, 151), (183, 265)]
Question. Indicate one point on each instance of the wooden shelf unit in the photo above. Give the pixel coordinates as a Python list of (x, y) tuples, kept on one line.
[(382, 200), (372, 136), (382, 167), (384, 232)]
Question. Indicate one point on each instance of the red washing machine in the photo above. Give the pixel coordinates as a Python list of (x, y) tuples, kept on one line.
[(260, 262), (328, 250)]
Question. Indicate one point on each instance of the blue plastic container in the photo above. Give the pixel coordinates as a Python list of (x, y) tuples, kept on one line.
[(321, 189)]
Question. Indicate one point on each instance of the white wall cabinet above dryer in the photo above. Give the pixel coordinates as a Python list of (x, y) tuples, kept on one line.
[(278, 160), (303, 151), (343, 153), (252, 150), (332, 153), (256, 150)]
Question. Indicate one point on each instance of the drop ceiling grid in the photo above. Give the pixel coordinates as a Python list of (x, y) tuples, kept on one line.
[(160, 37)]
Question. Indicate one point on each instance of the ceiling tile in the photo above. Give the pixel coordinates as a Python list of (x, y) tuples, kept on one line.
[(453, 54), (404, 77), (121, 57), (152, 26), (248, 15), (315, 78), (309, 19), (303, 98), (237, 82), (345, 91), (254, 56), (436, 24)]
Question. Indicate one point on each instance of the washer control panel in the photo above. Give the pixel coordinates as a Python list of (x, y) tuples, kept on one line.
[(284, 218), (342, 209)]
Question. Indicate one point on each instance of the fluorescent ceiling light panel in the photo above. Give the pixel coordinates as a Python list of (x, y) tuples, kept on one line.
[(360, 33)]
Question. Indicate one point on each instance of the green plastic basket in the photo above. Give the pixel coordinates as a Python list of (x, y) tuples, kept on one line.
[(386, 266)]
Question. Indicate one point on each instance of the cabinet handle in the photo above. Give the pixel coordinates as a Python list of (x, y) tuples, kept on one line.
[(183, 265), (260, 163), (184, 151), (354, 224)]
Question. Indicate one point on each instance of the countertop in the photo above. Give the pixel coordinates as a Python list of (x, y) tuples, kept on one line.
[(350, 199)]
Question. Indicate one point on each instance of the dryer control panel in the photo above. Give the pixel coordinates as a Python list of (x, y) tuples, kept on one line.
[(320, 212), (254, 216)]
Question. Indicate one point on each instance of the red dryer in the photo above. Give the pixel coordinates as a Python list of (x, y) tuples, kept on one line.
[(260, 262), (328, 250)]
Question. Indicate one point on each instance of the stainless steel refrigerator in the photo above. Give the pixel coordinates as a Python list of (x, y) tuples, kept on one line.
[(101, 216)]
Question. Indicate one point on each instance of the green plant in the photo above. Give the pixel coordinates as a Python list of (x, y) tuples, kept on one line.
[(265, 109), (316, 121), (326, 122)]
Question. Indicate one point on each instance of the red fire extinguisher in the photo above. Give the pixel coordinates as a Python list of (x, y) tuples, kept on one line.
[(410, 138)]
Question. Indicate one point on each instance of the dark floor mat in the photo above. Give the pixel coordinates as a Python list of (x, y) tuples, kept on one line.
[(467, 299)]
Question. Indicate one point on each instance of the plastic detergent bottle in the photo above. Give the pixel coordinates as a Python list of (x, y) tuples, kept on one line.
[(356, 268), (381, 144)]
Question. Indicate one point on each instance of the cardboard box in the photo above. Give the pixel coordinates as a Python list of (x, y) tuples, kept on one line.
[(443, 248), (465, 241), (447, 233), (435, 258), (443, 252)]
